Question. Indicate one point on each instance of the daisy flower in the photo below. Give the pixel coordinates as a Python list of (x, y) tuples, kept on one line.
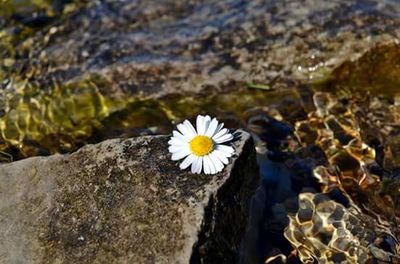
[(201, 148)]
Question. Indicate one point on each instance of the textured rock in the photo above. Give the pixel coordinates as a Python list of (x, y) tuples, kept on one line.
[(123, 201)]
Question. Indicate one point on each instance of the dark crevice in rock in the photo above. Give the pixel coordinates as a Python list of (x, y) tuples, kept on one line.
[(226, 214)]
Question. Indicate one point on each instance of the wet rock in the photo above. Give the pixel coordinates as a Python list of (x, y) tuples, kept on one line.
[(376, 71), (169, 46), (124, 201)]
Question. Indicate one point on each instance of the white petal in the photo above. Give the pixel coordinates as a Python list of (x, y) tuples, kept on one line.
[(201, 129), (224, 148), (200, 165), (173, 149), (187, 161), (196, 165), (185, 131), (217, 163), (224, 138), (176, 142), (223, 156), (210, 164), (220, 126), (220, 133), (190, 127), (193, 169), (179, 136), (206, 166), (206, 123), (212, 128), (180, 154)]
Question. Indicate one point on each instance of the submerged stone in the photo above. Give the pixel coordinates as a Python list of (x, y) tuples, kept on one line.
[(376, 71), (124, 201)]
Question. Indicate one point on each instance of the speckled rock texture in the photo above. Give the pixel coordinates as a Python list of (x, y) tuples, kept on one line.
[(124, 201)]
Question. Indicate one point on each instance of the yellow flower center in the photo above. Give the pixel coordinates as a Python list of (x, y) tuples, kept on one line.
[(201, 145)]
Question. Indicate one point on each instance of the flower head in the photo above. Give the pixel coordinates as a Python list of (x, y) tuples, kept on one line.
[(201, 148)]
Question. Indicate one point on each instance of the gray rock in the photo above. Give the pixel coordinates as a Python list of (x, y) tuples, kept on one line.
[(124, 201)]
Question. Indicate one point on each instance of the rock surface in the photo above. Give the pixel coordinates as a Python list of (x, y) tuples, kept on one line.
[(124, 201)]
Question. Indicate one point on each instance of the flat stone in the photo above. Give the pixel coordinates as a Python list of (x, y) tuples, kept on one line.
[(124, 201)]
